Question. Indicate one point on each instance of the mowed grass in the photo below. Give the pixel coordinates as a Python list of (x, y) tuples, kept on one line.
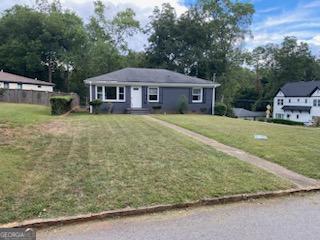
[(296, 148), (22, 114), (89, 163)]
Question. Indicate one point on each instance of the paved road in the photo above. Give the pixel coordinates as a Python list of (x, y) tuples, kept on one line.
[(294, 218), (297, 179)]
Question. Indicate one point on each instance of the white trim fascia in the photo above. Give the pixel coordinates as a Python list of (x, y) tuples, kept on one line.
[(90, 107), (158, 95), (213, 100), (115, 83)]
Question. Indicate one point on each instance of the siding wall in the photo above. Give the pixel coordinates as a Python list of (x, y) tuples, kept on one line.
[(42, 88), (168, 100)]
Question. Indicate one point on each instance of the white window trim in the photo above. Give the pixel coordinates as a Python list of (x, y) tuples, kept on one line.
[(157, 95), (201, 95), (111, 100), (96, 97)]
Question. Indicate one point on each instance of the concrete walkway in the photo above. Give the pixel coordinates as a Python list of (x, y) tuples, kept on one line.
[(297, 179)]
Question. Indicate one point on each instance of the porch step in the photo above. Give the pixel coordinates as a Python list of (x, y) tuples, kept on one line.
[(138, 111)]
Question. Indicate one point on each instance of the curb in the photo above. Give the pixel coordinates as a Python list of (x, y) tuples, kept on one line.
[(42, 223)]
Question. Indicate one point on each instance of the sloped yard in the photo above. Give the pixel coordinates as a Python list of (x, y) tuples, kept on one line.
[(84, 163), (296, 148)]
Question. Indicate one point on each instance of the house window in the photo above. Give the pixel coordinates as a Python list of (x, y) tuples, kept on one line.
[(297, 116), (306, 100), (99, 93), (280, 101), (111, 93), (315, 102), (288, 116), (197, 95), (318, 102), (153, 94), (19, 86), (6, 85), (39, 86), (289, 100), (121, 93), (298, 99), (114, 94)]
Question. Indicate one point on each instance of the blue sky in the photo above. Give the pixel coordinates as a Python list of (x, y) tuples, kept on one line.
[(273, 20)]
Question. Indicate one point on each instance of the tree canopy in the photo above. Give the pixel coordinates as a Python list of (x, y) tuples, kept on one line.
[(55, 44)]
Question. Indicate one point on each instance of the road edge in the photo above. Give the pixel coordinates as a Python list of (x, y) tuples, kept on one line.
[(43, 223)]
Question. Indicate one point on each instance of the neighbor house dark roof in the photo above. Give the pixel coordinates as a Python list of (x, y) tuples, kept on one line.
[(147, 75), (300, 89), (13, 78), (296, 108), (241, 112)]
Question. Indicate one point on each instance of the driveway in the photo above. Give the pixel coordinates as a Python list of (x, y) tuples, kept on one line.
[(295, 217)]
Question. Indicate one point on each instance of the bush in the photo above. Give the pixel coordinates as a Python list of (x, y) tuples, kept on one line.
[(220, 109), (60, 104), (95, 105), (183, 105), (283, 121)]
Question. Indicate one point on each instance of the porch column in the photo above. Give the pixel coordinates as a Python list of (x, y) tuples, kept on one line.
[(90, 94), (213, 99)]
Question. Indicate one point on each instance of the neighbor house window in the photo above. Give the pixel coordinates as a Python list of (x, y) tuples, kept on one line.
[(39, 86), (6, 85), (280, 101), (306, 100), (153, 94), (114, 94), (297, 116), (197, 95), (99, 92), (318, 102), (289, 100), (315, 102), (279, 116), (298, 99), (19, 86)]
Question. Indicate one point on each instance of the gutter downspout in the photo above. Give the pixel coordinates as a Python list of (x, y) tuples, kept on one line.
[(90, 96), (213, 100)]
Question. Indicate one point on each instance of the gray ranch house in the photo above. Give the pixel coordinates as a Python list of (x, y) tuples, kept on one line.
[(146, 90)]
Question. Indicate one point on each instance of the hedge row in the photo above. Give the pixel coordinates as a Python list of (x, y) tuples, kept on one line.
[(60, 104), (287, 122)]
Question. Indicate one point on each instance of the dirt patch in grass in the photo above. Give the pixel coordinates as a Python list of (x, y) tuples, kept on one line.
[(55, 128)]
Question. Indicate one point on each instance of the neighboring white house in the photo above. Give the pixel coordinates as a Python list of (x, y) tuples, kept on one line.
[(298, 101), (13, 81)]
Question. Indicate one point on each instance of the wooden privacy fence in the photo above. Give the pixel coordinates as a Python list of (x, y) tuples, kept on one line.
[(34, 97)]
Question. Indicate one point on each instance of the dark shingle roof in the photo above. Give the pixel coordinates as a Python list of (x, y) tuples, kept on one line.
[(296, 108), (148, 75), (241, 112), (300, 89), (13, 78)]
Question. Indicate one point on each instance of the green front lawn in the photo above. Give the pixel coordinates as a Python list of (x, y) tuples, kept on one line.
[(88, 163), (22, 114), (296, 148)]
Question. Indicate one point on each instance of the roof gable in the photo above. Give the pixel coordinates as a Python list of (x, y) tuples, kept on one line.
[(147, 75), (300, 89)]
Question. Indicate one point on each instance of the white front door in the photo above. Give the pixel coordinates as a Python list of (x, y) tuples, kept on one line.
[(136, 97)]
